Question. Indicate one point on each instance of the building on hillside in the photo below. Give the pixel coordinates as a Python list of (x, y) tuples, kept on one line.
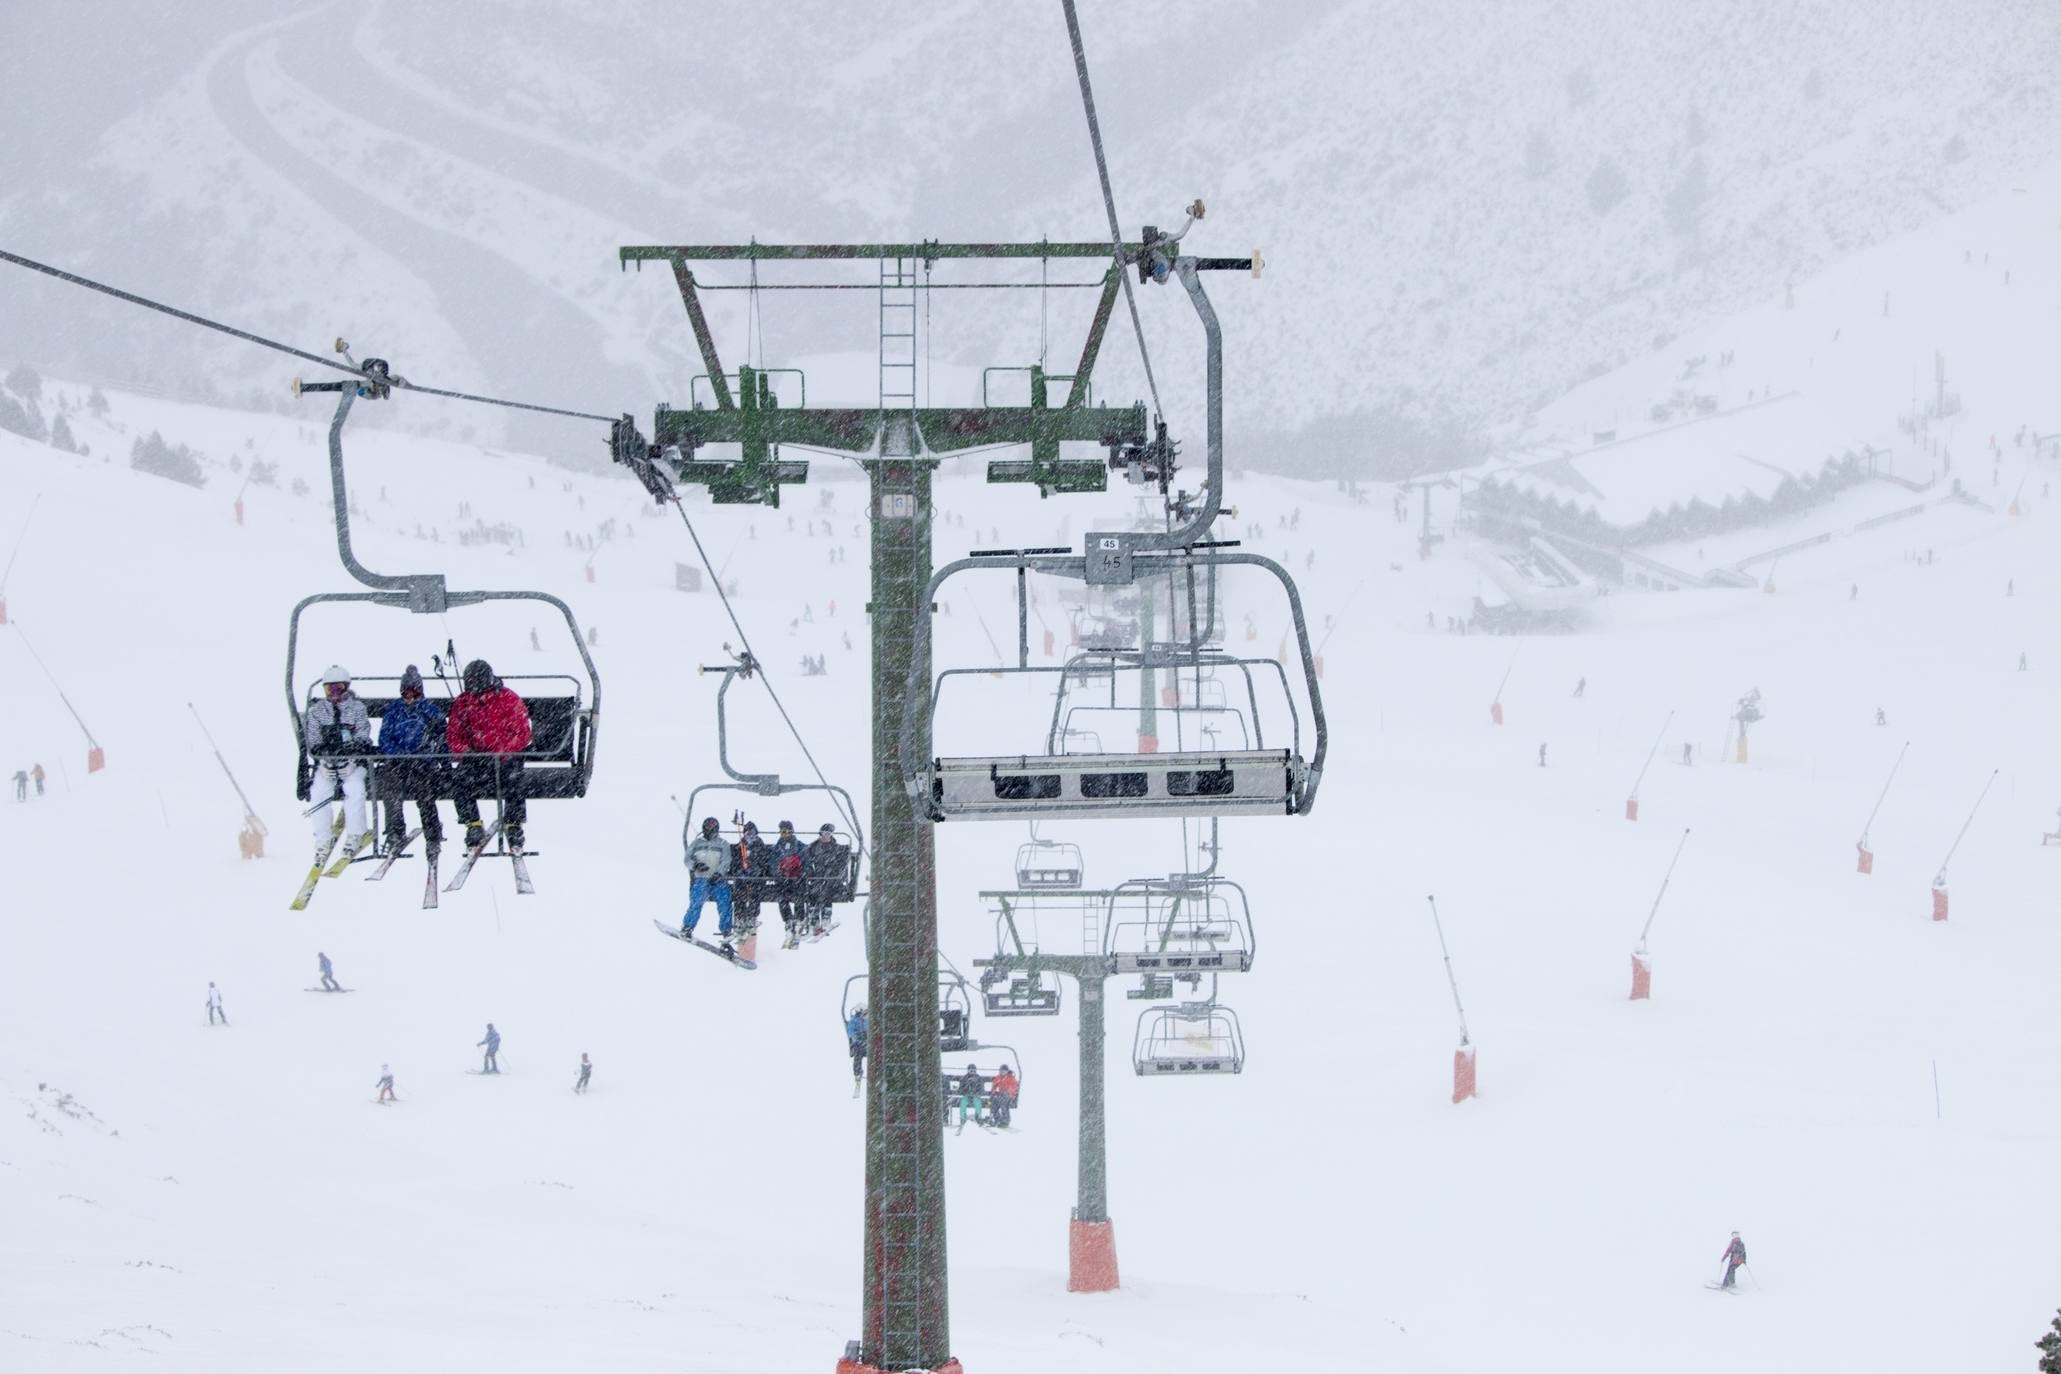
[(1697, 478)]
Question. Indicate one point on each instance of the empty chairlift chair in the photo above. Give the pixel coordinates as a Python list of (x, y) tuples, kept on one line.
[(1191, 1038), (1175, 926)]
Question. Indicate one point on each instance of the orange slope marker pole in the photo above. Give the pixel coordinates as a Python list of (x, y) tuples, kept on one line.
[(1631, 803), (1463, 1057), (1496, 705), (1866, 861), (1939, 888), (1642, 962)]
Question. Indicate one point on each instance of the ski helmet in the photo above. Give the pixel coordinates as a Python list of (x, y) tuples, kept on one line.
[(710, 825), (336, 673), (479, 676)]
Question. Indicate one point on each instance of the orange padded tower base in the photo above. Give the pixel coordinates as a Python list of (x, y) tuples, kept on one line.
[(1091, 1256)]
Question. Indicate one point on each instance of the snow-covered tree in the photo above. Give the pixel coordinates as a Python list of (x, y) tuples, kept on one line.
[(2049, 1347)]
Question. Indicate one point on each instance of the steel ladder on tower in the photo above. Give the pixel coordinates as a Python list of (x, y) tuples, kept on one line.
[(898, 353)]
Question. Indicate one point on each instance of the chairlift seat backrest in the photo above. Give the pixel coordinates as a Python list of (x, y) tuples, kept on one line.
[(1195, 1038), (1246, 782), (556, 766)]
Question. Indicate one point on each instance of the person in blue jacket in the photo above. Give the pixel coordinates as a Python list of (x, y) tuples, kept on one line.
[(855, 1037), (493, 1048), (411, 737)]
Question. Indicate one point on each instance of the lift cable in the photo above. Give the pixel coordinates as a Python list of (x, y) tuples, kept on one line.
[(1116, 233), (275, 345), (766, 678)]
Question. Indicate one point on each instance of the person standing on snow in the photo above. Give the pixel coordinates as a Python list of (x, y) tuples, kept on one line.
[(855, 1041), (386, 1084), (215, 1012), (411, 730), (21, 784), (36, 772), (586, 1072), (338, 735), (329, 983), (488, 724), (708, 860), (787, 882), (823, 869), (1734, 1257), (493, 1048), (751, 867)]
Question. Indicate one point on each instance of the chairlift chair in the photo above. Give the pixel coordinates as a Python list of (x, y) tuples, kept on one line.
[(1180, 925), (1191, 1038), (852, 842), (1048, 864), (1031, 993), (564, 721)]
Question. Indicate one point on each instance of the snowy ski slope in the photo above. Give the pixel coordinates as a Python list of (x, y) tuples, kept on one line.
[(232, 1199)]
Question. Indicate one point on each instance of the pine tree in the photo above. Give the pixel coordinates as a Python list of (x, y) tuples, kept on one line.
[(2049, 1347)]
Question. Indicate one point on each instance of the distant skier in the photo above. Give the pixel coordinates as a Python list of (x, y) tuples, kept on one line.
[(21, 784), (1688, 752), (411, 729), (215, 1012), (1881, 716), (1542, 756), (787, 882), (329, 983), (488, 724), (708, 861), (1734, 1257), (855, 1041), (1581, 687), (824, 865), (586, 1073), (493, 1047), (386, 1084), (36, 772), (338, 734), (1002, 1098), (2021, 661), (969, 1097)]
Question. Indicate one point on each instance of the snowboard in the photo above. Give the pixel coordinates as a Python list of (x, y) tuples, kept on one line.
[(328, 989), (732, 957)]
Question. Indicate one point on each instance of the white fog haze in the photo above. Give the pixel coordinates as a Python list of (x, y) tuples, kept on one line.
[(1522, 835)]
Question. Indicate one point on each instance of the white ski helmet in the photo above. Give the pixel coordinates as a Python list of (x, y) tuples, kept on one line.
[(337, 673)]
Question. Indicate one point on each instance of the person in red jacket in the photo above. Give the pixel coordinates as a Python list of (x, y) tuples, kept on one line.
[(1734, 1256), (488, 726)]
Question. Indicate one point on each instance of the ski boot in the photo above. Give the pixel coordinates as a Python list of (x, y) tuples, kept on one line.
[(475, 835), (514, 834)]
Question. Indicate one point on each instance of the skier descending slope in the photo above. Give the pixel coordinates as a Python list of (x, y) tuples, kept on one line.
[(708, 860), (1734, 1258), (386, 1085), (215, 1012), (586, 1073), (338, 733), (492, 1045), (329, 983)]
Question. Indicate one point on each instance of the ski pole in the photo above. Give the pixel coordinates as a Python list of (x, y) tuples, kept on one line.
[(1940, 879)]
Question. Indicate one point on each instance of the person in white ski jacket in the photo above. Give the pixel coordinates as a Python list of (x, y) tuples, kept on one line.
[(338, 733), (215, 1012), (708, 861)]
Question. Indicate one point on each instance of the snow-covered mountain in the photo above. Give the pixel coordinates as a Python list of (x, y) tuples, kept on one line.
[(1468, 208)]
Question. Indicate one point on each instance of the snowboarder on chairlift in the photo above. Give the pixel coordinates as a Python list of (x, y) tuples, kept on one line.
[(329, 983), (708, 860), (489, 723), (787, 882), (1734, 1257), (586, 1073), (855, 1041), (411, 733), (492, 1045), (751, 868), (338, 734), (1002, 1099), (824, 865)]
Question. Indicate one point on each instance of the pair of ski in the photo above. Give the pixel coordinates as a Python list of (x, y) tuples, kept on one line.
[(724, 952), (322, 868)]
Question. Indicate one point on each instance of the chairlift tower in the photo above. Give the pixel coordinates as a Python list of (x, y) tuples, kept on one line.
[(906, 1315)]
